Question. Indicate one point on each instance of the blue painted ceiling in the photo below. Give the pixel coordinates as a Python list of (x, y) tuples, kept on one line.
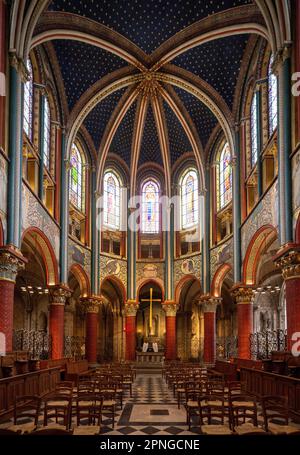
[(150, 148), (148, 23)]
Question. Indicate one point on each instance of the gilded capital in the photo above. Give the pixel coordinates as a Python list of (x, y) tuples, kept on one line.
[(59, 294), (210, 303), (170, 308), (91, 304), (11, 262), (288, 260), (131, 307), (242, 294)]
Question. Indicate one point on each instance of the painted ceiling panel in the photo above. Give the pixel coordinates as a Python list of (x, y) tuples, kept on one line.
[(150, 148), (148, 23), (97, 120), (121, 144), (217, 62), (82, 65), (178, 140), (203, 118)]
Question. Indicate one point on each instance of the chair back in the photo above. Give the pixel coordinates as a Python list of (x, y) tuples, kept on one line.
[(58, 407), (89, 408), (212, 410), (275, 408), (27, 406), (243, 408)]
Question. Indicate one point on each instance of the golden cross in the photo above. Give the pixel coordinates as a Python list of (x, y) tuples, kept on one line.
[(151, 300)]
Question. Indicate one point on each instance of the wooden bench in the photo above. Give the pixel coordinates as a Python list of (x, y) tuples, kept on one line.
[(224, 369), (76, 370), (14, 363)]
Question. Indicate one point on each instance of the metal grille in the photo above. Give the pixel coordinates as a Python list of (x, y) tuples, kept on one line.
[(74, 346), (226, 347), (263, 343), (37, 343)]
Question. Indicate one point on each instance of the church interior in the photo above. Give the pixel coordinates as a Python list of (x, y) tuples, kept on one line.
[(149, 217)]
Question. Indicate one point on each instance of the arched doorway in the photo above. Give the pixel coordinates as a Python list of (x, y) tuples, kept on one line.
[(150, 329), (111, 333), (189, 319)]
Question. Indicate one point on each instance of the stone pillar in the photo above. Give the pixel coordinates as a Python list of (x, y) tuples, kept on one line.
[(288, 259), (91, 305), (131, 308), (209, 305), (170, 309), (59, 295), (244, 298), (11, 261)]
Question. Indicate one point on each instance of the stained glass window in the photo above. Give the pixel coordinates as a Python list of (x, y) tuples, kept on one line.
[(189, 199), (150, 207), (111, 211), (47, 135), (272, 97), (225, 178), (76, 178), (28, 101), (254, 133)]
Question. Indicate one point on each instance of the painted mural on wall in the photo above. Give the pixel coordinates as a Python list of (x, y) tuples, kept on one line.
[(3, 192), (77, 254), (296, 186), (113, 266), (149, 270), (188, 266), (34, 215), (220, 255), (266, 212)]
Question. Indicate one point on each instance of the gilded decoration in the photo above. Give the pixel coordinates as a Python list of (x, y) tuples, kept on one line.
[(187, 266), (11, 262), (131, 308), (242, 294), (149, 270), (77, 254), (210, 303), (289, 263), (296, 185), (265, 213), (220, 255), (3, 192), (91, 304), (34, 215), (110, 266), (170, 309), (59, 295)]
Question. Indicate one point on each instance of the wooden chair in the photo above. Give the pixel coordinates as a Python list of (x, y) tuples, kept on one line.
[(192, 402), (109, 402), (243, 415), (276, 415), (58, 407), (64, 387), (88, 408), (26, 407), (212, 416)]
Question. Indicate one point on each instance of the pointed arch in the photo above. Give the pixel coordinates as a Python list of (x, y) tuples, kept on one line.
[(157, 281), (118, 284), (180, 285), (35, 236)]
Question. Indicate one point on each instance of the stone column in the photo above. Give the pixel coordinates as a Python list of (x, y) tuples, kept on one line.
[(59, 295), (244, 298), (131, 308), (288, 259), (91, 305), (209, 305), (170, 309), (11, 261)]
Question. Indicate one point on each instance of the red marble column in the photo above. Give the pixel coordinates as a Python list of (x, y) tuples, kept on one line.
[(11, 262), (209, 309), (59, 294), (288, 259), (92, 305), (243, 296), (130, 329), (170, 309)]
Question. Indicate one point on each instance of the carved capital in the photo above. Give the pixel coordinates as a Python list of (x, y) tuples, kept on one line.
[(91, 304), (242, 293), (131, 308), (280, 57), (11, 262), (170, 308), (19, 66), (210, 303), (288, 260), (59, 294)]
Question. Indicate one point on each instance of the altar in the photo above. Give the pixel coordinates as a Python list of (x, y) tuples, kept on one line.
[(150, 359)]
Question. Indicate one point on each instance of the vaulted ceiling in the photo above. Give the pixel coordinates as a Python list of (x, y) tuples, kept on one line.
[(182, 88)]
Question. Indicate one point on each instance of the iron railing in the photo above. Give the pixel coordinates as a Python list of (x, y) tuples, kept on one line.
[(263, 343), (37, 343), (226, 347), (74, 346)]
